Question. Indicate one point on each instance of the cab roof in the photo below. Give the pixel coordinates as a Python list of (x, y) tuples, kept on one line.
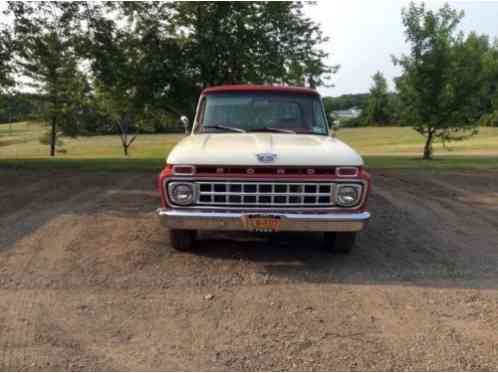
[(259, 88)]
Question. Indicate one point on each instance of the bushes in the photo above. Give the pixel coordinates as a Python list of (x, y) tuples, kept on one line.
[(45, 139)]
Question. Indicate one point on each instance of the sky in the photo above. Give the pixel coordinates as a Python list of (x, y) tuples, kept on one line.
[(364, 34)]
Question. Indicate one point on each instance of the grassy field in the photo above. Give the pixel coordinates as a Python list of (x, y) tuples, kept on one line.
[(22, 143), (388, 147), (406, 141)]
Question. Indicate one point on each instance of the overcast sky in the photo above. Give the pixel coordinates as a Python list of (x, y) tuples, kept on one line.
[(365, 33)]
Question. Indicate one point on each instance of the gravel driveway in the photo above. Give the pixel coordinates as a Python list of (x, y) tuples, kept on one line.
[(88, 281)]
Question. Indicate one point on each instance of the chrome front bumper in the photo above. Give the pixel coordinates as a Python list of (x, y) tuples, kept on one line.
[(232, 221)]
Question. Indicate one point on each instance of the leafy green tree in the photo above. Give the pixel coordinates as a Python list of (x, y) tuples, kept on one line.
[(252, 42), (115, 71), (129, 66), (378, 101), (78, 101), (45, 50), (17, 106), (138, 65), (490, 117), (300, 42), (443, 76), (6, 68), (394, 108)]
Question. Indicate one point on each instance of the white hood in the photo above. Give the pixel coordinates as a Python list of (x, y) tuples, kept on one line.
[(241, 149)]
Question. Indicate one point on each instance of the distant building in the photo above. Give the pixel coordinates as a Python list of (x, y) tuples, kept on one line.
[(351, 113)]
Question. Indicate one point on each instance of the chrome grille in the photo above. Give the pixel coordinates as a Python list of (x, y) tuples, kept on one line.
[(264, 194)]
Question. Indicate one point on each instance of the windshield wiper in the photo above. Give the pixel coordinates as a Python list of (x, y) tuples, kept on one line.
[(271, 129), (222, 127)]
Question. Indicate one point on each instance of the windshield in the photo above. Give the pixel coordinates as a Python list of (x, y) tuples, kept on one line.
[(265, 112)]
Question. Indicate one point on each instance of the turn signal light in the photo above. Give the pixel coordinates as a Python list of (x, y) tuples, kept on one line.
[(347, 171), (183, 170)]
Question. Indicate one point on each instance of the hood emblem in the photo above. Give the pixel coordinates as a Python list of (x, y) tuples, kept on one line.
[(266, 157)]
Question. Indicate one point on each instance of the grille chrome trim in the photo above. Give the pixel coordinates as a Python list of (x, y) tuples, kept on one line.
[(273, 209), (265, 194)]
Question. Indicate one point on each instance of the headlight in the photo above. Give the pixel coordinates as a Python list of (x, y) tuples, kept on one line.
[(181, 193), (348, 195)]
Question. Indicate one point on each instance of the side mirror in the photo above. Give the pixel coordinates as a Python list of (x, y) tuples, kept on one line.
[(185, 123), (334, 128)]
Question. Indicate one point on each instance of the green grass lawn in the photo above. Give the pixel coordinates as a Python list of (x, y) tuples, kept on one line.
[(23, 143), (406, 141), (382, 147)]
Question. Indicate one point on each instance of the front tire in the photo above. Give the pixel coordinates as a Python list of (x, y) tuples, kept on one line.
[(339, 242), (182, 239)]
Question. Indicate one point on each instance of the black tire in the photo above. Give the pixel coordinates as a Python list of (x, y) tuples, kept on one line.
[(339, 242), (182, 239)]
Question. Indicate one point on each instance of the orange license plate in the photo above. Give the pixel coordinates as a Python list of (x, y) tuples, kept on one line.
[(261, 223)]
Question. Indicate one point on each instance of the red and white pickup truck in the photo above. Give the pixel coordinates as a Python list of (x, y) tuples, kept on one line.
[(260, 158)]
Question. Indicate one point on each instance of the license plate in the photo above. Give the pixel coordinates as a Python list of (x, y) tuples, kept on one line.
[(261, 223)]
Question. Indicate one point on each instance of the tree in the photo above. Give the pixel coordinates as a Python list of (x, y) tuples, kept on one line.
[(115, 72), (395, 107), (441, 85), (252, 42), (138, 65), (129, 67), (304, 57), (6, 68), (17, 106), (490, 117), (77, 102), (45, 50), (378, 101)]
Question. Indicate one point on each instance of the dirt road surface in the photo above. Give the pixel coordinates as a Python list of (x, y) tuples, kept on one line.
[(88, 281)]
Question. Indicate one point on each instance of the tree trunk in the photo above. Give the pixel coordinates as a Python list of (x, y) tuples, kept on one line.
[(52, 137), (428, 146), (125, 150)]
